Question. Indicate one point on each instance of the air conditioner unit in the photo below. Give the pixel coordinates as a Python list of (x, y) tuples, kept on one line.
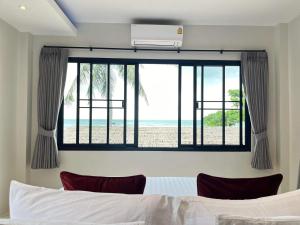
[(165, 36)]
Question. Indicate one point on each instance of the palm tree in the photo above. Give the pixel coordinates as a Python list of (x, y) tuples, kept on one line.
[(99, 74)]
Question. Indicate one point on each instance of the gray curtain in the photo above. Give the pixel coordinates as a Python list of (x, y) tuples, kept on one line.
[(52, 78), (298, 182), (255, 78)]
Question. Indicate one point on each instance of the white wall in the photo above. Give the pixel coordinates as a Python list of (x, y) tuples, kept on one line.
[(294, 92), (14, 72), (282, 96), (22, 155), (8, 76), (159, 163)]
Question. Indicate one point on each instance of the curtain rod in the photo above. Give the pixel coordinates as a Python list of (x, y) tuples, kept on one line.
[(221, 51)]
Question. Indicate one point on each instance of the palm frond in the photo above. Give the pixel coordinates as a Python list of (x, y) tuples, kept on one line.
[(131, 82), (100, 80), (85, 76), (142, 93), (70, 97), (84, 79), (100, 84)]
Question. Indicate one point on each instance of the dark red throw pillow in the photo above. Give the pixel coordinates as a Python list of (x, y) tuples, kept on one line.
[(125, 185), (237, 188)]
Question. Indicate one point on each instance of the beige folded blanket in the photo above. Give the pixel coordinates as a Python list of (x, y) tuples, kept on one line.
[(238, 220)]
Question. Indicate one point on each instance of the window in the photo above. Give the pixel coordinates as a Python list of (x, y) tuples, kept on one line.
[(178, 105)]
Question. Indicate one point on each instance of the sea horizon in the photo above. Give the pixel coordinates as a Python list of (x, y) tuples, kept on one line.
[(120, 122)]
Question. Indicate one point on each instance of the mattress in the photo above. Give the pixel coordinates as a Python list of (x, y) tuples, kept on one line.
[(172, 186)]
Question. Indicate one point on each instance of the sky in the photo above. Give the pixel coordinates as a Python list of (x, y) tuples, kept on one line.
[(160, 82)]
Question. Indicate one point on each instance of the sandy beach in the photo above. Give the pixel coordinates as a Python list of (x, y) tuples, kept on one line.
[(152, 136)]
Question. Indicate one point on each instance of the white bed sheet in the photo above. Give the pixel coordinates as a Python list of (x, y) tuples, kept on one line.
[(41, 222), (171, 186)]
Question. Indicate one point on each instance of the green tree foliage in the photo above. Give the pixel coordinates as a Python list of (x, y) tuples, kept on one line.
[(234, 96), (213, 120), (232, 116)]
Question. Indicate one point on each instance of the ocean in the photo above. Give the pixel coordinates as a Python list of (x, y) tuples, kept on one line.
[(142, 123)]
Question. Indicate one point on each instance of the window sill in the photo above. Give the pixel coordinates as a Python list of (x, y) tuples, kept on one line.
[(207, 148)]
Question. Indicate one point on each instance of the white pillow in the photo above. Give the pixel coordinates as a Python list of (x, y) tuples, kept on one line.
[(30, 222), (203, 211), (238, 220), (37, 203)]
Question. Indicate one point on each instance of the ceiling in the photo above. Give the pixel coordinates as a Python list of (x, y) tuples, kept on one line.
[(41, 17), (187, 12), (56, 17)]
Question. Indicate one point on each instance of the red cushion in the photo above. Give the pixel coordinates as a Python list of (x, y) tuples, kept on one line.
[(125, 185), (238, 188)]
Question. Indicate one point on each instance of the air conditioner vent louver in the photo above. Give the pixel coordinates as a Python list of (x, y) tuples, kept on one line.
[(167, 36)]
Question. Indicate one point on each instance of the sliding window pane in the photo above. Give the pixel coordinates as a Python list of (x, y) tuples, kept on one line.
[(199, 105), (213, 83), (99, 83), (232, 105), (116, 126), (244, 119), (100, 103), (84, 120), (199, 81), (198, 131), (116, 116), (158, 105), (84, 81), (187, 95), (84, 103), (70, 104), (232, 127), (232, 94), (213, 105), (130, 104), (99, 126), (116, 82), (212, 130), (99, 122), (84, 113), (117, 104), (232, 83)]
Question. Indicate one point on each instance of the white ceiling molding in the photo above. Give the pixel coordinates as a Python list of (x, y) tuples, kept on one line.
[(39, 17), (187, 12)]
